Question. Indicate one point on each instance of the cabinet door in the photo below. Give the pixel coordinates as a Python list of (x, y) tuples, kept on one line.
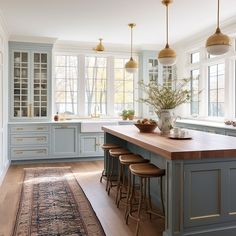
[(20, 84), (64, 141), (90, 145), (40, 85)]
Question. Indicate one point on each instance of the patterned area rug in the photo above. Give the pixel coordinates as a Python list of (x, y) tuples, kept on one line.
[(52, 203)]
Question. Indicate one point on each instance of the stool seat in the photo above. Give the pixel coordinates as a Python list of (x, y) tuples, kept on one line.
[(118, 151), (128, 159), (146, 170), (107, 146)]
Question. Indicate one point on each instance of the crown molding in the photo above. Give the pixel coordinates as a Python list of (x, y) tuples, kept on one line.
[(32, 39)]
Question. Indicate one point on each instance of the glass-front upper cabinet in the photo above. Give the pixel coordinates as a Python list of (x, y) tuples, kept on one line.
[(21, 84), (30, 72), (40, 85)]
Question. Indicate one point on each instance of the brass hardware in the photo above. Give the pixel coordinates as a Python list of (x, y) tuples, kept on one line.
[(99, 47), (19, 139), (40, 139), (41, 151), (40, 128), (63, 127), (218, 39), (167, 56), (131, 66), (18, 153), (30, 110), (19, 128)]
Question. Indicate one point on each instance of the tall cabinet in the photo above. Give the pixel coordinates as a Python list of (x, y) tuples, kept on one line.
[(30, 81)]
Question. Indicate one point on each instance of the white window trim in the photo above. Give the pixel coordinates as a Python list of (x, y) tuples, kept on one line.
[(110, 81)]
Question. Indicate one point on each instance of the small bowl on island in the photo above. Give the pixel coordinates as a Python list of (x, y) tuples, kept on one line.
[(146, 125)]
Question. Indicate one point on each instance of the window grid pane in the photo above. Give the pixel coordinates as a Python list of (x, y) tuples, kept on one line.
[(96, 85), (216, 90), (195, 91), (124, 87), (195, 57), (66, 90)]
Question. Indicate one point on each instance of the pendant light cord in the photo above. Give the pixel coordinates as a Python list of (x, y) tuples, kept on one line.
[(167, 26), (218, 14), (131, 41)]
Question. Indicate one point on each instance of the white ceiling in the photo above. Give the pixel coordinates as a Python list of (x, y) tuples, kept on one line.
[(87, 20)]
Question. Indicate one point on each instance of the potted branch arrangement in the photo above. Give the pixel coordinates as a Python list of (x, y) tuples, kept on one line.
[(164, 99)]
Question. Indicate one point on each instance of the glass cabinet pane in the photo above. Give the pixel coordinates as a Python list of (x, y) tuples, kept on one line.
[(40, 72), (20, 84)]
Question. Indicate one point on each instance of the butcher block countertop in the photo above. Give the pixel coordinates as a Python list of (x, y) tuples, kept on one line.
[(202, 145)]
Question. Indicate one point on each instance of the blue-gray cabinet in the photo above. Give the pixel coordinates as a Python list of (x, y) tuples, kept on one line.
[(30, 81), (29, 142), (90, 144), (64, 140)]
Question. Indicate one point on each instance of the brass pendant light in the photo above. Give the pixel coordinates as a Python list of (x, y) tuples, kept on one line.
[(218, 43), (99, 47), (131, 66), (167, 56)]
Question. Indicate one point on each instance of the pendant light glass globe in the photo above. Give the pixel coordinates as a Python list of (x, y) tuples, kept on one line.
[(218, 43), (167, 56), (131, 66)]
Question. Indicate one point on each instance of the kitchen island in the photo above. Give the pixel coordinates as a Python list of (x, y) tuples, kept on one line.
[(200, 183)]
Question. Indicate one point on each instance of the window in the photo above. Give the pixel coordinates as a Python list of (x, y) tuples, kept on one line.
[(153, 70), (96, 85), (66, 79), (195, 57), (169, 75), (195, 91), (123, 87), (216, 78)]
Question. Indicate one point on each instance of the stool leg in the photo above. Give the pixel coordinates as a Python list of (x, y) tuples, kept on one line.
[(110, 176), (149, 200), (139, 205), (119, 183), (130, 200), (162, 201), (108, 171), (103, 172), (128, 193)]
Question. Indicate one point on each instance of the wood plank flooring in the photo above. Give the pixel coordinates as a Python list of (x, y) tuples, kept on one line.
[(88, 174)]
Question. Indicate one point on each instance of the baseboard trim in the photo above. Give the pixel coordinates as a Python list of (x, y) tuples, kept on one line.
[(4, 171)]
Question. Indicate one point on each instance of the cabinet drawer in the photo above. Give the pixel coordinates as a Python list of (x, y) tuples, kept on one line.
[(28, 153), (29, 128), (29, 139)]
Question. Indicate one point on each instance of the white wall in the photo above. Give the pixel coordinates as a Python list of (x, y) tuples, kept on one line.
[(4, 162)]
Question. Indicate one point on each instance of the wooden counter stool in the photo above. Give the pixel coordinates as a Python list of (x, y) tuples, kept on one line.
[(114, 154), (145, 172), (125, 161), (106, 147)]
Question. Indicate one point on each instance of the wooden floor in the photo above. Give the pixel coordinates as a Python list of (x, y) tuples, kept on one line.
[(88, 174)]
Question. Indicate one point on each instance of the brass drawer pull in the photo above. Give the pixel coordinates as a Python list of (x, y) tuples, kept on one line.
[(40, 128), (63, 127), (18, 153), (41, 151), (19, 139), (19, 129), (41, 139)]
